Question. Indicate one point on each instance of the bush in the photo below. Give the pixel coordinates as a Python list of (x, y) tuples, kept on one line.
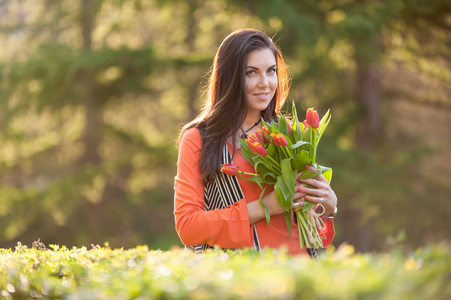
[(104, 273)]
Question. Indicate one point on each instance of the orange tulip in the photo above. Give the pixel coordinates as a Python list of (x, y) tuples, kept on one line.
[(230, 169), (312, 118)]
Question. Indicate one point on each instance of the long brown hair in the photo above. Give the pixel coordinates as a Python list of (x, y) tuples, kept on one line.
[(225, 106)]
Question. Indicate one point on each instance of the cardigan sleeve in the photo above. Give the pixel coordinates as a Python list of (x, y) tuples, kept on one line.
[(227, 228)]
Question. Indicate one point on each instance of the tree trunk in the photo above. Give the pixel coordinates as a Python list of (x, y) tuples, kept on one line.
[(190, 39), (92, 135), (368, 97), (93, 112)]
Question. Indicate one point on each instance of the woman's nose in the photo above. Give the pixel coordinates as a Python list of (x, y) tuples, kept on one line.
[(263, 82)]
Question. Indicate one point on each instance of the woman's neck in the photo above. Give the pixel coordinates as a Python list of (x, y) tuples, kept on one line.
[(250, 125), (250, 120)]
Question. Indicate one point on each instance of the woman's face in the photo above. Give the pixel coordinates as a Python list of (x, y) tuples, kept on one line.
[(260, 79)]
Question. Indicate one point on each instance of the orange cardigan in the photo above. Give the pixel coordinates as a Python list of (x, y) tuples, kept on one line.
[(228, 227)]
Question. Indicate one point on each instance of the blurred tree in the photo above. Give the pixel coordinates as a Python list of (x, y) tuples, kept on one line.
[(338, 51), (90, 110), (75, 82)]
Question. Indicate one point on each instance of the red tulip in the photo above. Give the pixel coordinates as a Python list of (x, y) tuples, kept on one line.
[(279, 140), (250, 143), (290, 130), (260, 149), (230, 169), (261, 137), (274, 139), (256, 147), (265, 132), (255, 137), (282, 140), (312, 118)]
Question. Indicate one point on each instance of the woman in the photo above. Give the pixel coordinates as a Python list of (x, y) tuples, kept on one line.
[(248, 81)]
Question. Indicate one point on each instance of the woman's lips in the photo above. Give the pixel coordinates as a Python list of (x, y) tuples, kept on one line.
[(262, 96)]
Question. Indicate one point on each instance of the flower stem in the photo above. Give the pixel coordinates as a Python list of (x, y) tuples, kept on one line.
[(277, 171), (304, 230), (313, 143), (240, 173), (286, 152), (272, 159)]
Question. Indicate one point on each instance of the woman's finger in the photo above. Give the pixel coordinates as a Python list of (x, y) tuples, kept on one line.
[(316, 183), (317, 200), (298, 204), (314, 192), (299, 188), (321, 178)]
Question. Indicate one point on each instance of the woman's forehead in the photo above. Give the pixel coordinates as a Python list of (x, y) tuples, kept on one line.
[(262, 57)]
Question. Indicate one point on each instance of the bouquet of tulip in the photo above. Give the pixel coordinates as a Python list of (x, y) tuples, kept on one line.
[(279, 151)]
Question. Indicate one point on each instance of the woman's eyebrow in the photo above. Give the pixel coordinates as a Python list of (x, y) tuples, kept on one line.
[(251, 67)]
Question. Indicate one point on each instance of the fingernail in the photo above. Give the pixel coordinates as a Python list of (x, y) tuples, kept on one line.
[(300, 189)]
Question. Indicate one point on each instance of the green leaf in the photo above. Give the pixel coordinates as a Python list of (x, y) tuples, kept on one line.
[(283, 128), (327, 173), (279, 193), (294, 112), (299, 144), (265, 209), (258, 179), (297, 132), (265, 171), (323, 121), (246, 151), (271, 150), (307, 174), (295, 164), (303, 158), (287, 175), (284, 196), (273, 126), (323, 125), (271, 178), (258, 161), (308, 205)]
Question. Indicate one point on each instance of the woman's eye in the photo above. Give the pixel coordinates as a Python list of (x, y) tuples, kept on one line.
[(271, 71), (250, 72)]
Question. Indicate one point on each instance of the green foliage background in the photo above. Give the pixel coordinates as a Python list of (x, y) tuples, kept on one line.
[(93, 93)]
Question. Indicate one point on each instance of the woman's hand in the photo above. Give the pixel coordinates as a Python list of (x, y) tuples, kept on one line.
[(320, 192), (256, 212), (272, 203)]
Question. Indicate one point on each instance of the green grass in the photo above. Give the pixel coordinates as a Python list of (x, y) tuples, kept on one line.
[(104, 273)]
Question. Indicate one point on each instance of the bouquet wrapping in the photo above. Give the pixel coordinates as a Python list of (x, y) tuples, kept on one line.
[(279, 152)]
